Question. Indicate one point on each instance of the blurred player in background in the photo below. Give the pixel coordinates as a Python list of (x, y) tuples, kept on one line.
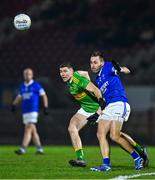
[(29, 94), (89, 98), (117, 111)]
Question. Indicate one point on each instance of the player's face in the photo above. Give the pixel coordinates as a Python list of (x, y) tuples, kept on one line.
[(28, 75), (66, 73), (96, 64)]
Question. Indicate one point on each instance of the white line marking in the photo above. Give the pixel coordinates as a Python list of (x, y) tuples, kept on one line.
[(132, 176)]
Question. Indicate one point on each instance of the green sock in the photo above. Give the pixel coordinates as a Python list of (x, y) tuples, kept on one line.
[(139, 149), (79, 154)]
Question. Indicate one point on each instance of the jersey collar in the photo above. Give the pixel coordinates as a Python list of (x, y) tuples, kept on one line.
[(99, 73), (29, 83)]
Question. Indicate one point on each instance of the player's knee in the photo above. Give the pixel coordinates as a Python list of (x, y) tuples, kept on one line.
[(71, 129), (34, 131), (114, 137)]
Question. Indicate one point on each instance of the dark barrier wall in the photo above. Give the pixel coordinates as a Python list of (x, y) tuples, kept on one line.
[(53, 129)]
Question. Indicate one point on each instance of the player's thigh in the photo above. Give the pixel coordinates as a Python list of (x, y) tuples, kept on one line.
[(78, 121), (103, 128)]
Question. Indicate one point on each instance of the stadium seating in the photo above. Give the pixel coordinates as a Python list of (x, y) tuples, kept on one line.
[(71, 31)]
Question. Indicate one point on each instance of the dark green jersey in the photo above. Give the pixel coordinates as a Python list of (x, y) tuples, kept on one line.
[(77, 88)]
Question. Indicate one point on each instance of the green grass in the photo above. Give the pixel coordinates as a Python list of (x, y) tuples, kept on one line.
[(54, 164)]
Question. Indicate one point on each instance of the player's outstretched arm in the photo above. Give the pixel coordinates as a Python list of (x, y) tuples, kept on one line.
[(17, 100), (119, 69), (93, 89)]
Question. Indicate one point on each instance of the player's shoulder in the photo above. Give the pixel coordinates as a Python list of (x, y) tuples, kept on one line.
[(80, 75), (108, 63), (84, 74), (76, 77), (36, 84)]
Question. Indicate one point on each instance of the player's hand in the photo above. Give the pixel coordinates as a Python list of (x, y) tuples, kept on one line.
[(125, 70), (13, 108), (116, 66), (101, 103), (92, 119), (46, 111)]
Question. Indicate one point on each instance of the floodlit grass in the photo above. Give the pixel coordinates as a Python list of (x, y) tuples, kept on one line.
[(54, 164)]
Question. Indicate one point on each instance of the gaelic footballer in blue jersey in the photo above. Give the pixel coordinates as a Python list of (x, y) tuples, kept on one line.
[(29, 95), (117, 109)]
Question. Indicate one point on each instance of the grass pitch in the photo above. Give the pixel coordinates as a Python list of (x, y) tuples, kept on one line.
[(54, 164)]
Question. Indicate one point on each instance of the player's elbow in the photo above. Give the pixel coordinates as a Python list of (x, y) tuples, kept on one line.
[(44, 96)]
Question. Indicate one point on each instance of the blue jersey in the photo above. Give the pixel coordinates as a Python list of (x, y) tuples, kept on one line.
[(110, 84), (30, 93)]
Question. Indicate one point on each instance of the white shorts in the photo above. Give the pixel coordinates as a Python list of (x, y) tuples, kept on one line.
[(117, 111), (84, 113), (30, 117)]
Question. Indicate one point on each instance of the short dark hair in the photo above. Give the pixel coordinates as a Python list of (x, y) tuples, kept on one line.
[(66, 64), (97, 53)]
